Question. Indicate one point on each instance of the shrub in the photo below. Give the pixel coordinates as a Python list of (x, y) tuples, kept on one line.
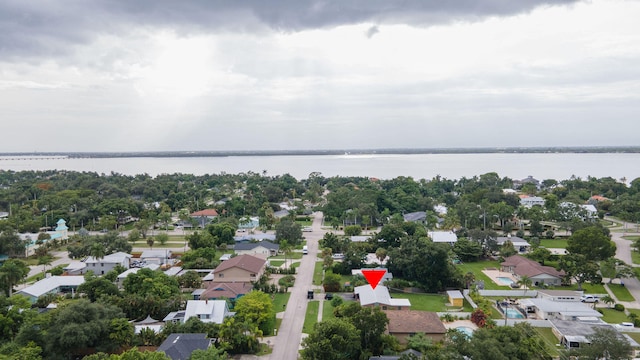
[(479, 318), (618, 307), (336, 301), (287, 280)]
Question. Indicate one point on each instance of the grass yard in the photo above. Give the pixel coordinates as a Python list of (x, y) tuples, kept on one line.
[(280, 300), (635, 257), (311, 318), (550, 340), (587, 288), (554, 243), (613, 316), (621, 292), (424, 302), (293, 255), (477, 267), (327, 311), (276, 263), (317, 273)]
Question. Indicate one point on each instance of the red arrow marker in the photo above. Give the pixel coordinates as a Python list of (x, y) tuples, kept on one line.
[(373, 276)]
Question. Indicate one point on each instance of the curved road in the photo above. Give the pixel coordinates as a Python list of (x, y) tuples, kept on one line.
[(287, 342), (623, 252)]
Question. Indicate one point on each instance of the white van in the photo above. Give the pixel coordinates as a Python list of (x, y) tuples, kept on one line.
[(305, 250)]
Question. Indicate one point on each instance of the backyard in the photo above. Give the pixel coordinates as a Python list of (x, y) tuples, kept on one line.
[(428, 302), (554, 243), (477, 267)]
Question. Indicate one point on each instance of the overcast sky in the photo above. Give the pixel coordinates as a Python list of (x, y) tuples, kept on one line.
[(309, 74)]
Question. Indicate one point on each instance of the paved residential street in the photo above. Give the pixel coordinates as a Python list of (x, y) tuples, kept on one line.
[(287, 342), (623, 252)]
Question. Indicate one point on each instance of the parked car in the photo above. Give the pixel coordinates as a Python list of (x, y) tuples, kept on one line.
[(307, 229), (338, 256), (310, 294), (589, 299), (328, 296)]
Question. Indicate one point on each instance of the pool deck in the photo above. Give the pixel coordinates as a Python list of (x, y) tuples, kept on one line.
[(495, 274), (458, 323)]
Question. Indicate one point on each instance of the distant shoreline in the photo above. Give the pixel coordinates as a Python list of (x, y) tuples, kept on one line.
[(407, 151)]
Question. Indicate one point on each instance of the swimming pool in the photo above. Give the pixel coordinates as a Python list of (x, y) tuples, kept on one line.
[(465, 330), (505, 280), (514, 314)]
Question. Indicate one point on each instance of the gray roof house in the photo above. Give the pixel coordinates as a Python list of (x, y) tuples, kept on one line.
[(447, 237), (573, 334), (264, 248), (521, 245), (107, 263), (179, 346), (52, 285), (419, 216)]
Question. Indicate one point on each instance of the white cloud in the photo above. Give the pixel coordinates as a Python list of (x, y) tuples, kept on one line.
[(478, 83)]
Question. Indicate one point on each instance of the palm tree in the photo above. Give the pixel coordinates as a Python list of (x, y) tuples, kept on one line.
[(13, 271), (607, 300), (150, 242), (97, 251), (381, 254), (44, 261), (286, 250), (526, 282), (469, 278)]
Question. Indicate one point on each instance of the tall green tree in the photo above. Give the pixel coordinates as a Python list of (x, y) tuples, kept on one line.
[(81, 325), (591, 242), (288, 230), (334, 339), (12, 272), (605, 344), (256, 308)]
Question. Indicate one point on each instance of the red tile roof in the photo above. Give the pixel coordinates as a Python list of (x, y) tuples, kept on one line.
[(245, 262), (205, 212)]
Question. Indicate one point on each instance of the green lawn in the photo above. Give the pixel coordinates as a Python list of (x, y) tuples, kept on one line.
[(477, 267), (613, 316), (621, 292), (327, 310), (317, 273), (554, 243), (587, 288), (424, 302), (635, 257), (280, 300), (550, 340), (311, 318), (293, 255), (276, 263)]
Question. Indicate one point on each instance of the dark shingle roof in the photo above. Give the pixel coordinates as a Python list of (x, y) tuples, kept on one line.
[(250, 246), (180, 346)]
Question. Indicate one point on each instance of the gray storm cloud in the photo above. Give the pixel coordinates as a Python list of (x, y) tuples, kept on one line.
[(33, 28)]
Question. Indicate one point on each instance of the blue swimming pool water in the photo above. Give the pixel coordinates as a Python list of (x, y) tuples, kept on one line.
[(465, 330), (514, 314), (505, 280)]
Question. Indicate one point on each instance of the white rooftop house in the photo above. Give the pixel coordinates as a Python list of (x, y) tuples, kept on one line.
[(448, 237), (52, 285), (561, 310), (379, 297), (532, 201), (107, 263)]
